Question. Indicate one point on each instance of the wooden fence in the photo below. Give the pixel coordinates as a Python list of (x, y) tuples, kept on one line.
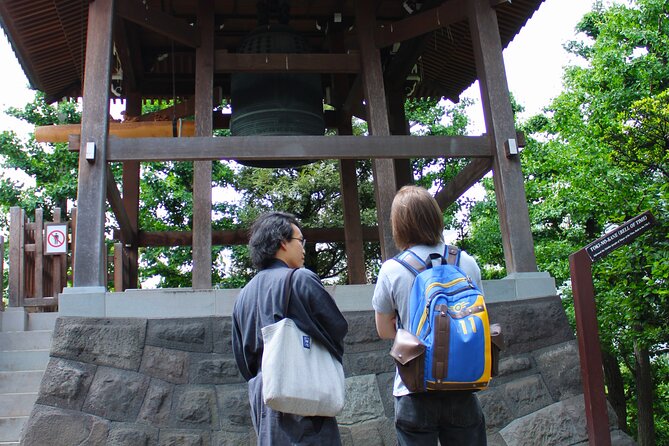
[(35, 279)]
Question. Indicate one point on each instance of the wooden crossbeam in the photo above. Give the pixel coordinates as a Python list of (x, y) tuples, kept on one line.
[(286, 63), (466, 178), (241, 237), (293, 147), (423, 22), (116, 202), (157, 21)]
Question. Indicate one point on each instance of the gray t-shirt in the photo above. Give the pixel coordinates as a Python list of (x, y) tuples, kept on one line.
[(394, 285)]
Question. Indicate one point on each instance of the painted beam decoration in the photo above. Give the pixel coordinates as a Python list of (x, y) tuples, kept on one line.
[(622, 235)]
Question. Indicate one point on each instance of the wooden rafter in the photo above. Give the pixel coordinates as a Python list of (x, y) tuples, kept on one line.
[(159, 22)]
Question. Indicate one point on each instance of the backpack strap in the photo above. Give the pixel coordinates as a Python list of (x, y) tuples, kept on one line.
[(287, 292), (452, 255), (411, 261)]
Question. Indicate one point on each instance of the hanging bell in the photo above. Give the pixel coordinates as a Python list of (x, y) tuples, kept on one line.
[(276, 104)]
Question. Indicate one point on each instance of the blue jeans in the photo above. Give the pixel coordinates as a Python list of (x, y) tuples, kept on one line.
[(453, 418)]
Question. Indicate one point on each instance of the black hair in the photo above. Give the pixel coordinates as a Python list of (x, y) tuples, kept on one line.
[(266, 235)]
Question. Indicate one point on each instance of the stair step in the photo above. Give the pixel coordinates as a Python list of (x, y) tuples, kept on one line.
[(10, 429), (23, 360), (20, 381), (17, 404), (42, 321), (26, 340)]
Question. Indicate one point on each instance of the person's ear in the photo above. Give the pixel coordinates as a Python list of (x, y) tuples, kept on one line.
[(284, 245)]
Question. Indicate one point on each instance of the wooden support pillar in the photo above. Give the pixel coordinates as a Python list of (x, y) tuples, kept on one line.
[(399, 126), (204, 93), (131, 178), (90, 257), (507, 175), (17, 222), (385, 184)]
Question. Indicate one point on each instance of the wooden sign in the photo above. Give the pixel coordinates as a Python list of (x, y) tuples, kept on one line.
[(55, 240), (622, 235)]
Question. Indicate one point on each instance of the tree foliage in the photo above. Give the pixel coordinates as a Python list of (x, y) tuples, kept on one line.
[(597, 157)]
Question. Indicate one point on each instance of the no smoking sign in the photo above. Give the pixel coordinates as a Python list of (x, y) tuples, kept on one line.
[(56, 238)]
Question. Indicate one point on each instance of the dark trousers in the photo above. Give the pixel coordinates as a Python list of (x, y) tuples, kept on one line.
[(283, 429), (453, 418)]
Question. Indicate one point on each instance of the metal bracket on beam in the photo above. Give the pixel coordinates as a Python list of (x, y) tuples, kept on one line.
[(511, 147), (90, 152)]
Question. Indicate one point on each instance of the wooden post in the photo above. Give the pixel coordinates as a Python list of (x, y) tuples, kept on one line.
[(399, 126), (57, 263), (131, 177), (119, 272), (17, 221), (596, 414), (204, 93), (507, 175), (377, 120), (90, 257), (38, 276)]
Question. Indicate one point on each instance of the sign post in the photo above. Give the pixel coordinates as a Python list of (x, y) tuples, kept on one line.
[(580, 265)]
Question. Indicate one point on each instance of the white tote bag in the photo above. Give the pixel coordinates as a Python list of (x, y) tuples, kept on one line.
[(299, 375)]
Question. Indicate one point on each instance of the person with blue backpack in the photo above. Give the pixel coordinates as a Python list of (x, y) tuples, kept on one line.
[(440, 405)]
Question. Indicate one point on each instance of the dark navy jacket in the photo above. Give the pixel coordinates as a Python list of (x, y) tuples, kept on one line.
[(260, 303)]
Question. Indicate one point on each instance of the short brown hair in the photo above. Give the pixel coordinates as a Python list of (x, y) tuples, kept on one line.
[(416, 218)]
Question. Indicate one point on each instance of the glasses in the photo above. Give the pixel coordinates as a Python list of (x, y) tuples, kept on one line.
[(303, 241)]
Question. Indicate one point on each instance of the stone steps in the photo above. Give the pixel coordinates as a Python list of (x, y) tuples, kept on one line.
[(25, 342)]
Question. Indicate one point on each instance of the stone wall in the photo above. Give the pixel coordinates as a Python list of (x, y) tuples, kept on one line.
[(134, 381)]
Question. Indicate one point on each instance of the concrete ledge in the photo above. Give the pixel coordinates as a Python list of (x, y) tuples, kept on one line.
[(187, 302), (13, 319)]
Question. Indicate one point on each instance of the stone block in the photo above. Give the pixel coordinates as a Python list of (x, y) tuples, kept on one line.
[(129, 434), (531, 324), (65, 383), (526, 395), (363, 401), (367, 363), (558, 424), (166, 364), (561, 369), (184, 437), (362, 335), (222, 332), (111, 342), (189, 334), (497, 413), (157, 403), (620, 438), (226, 438), (194, 407), (54, 426), (495, 439), (367, 434), (212, 368), (233, 401), (514, 364), (115, 394), (385, 381)]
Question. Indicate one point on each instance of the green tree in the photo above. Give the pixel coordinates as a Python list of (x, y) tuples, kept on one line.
[(596, 158)]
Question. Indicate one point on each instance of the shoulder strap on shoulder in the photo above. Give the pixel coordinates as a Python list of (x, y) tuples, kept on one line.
[(287, 292), (452, 255), (411, 261)]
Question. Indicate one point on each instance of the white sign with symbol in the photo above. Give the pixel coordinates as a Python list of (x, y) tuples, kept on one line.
[(56, 238)]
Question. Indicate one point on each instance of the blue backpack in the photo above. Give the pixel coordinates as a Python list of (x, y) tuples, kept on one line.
[(447, 345)]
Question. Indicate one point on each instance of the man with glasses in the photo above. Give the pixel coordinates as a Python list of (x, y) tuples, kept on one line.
[(276, 246)]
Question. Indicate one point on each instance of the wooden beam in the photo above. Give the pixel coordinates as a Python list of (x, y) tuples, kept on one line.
[(240, 237), (465, 179), (294, 147), (164, 24), (204, 96), (282, 63), (17, 221), (448, 13), (377, 120), (116, 203), (61, 132), (507, 174), (122, 45), (183, 109), (89, 259)]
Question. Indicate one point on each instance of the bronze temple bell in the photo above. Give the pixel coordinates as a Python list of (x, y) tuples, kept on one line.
[(276, 104)]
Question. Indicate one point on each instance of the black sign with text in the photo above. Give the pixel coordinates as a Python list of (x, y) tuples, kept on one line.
[(622, 235)]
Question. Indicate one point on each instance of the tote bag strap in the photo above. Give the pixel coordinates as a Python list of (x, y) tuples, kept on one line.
[(287, 292)]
